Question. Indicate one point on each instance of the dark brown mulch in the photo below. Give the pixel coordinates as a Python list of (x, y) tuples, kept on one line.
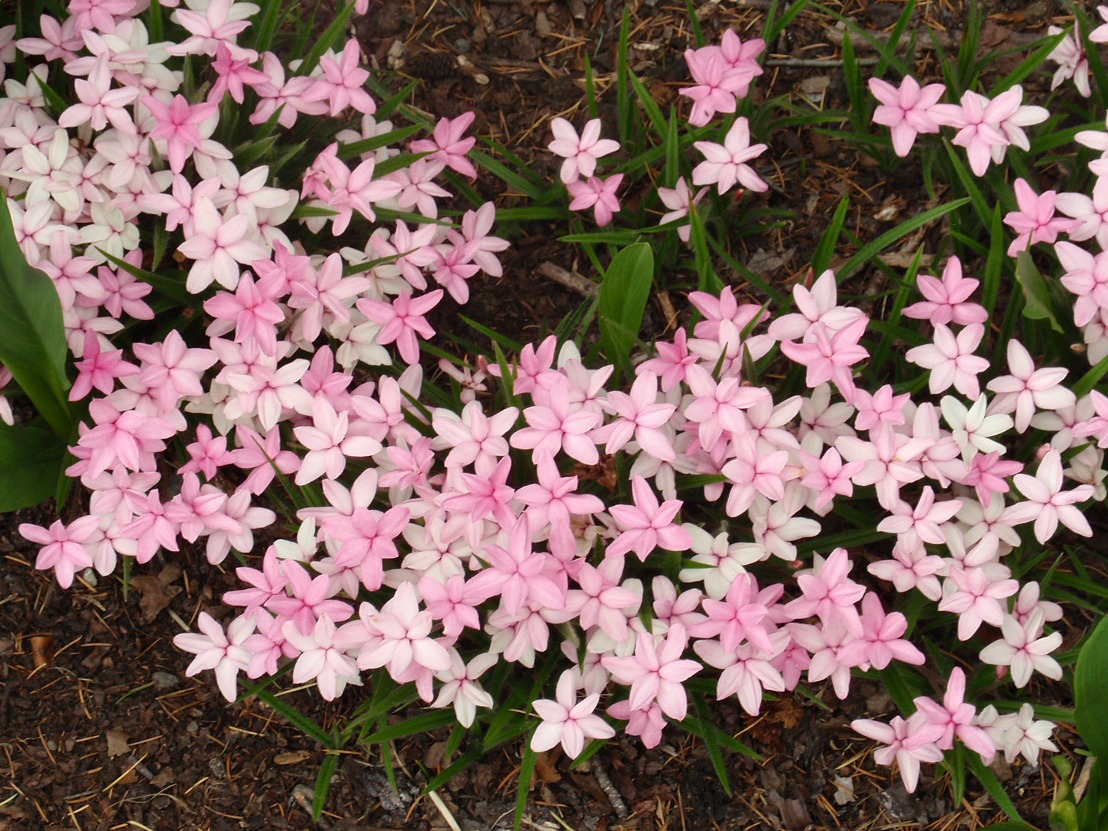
[(100, 729)]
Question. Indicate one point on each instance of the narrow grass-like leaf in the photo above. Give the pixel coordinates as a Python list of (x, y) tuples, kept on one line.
[(624, 292), (886, 239), (326, 40), (1090, 379), (423, 723), (32, 336), (991, 784), (1029, 64), (357, 148), (155, 22), (775, 25), (504, 341), (526, 773), (657, 120), (505, 174), (323, 784), (704, 729), (694, 24), (625, 109), (297, 719), (886, 50), (969, 183), (265, 27), (994, 263), (821, 259), (706, 275)]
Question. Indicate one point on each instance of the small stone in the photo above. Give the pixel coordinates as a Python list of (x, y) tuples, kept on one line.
[(462, 45), (192, 727), (165, 680)]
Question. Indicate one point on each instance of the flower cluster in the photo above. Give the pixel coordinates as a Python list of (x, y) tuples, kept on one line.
[(450, 540)]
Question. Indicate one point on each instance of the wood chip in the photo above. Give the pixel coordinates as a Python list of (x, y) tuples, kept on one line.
[(118, 743), (291, 757)]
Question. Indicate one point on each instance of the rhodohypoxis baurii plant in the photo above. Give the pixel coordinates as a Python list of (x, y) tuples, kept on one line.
[(437, 543)]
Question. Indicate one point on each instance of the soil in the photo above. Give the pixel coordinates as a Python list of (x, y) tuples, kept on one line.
[(99, 727)]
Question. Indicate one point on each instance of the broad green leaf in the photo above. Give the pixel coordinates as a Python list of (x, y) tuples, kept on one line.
[(31, 461), (1036, 293), (32, 337), (623, 295), (1090, 690)]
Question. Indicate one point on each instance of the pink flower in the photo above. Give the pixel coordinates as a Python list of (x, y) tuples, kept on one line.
[(955, 717), (1046, 504), (178, 124), (725, 164), (905, 110), (1025, 649), (447, 145), (947, 300), (400, 636), (219, 651), (323, 655), (215, 245), (830, 356), (906, 742), (646, 525), (598, 194), (567, 720), (99, 369), (656, 675), (63, 546), (99, 103), (580, 153), (402, 320), (1035, 220), (951, 360), (343, 82), (1026, 389)]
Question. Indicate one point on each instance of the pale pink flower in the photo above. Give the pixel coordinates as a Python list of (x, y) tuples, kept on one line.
[(1026, 388), (955, 717), (1024, 649), (646, 525), (947, 301), (343, 82), (216, 245), (447, 145), (656, 675), (99, 103), (567, 720), (905, 110), (324, 655), (908, 743), (63, 547), (951, 360), (725, 165), (178, 125), (598, 194), (580, 152), (1046, 504), (217, 650), (1035, 220)]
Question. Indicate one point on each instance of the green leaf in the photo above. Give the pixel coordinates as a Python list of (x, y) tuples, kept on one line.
[(821, 259), (1090, 690), (32, 336), (326, 40), (878, 245), (30, 466), (988, 779), (1091, 378), (323, 784), (526, 771), (423, 723), (300, 721), (1036, 293), (624, 291)]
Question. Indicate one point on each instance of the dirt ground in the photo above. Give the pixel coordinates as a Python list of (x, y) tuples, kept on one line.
[(100, 729)]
